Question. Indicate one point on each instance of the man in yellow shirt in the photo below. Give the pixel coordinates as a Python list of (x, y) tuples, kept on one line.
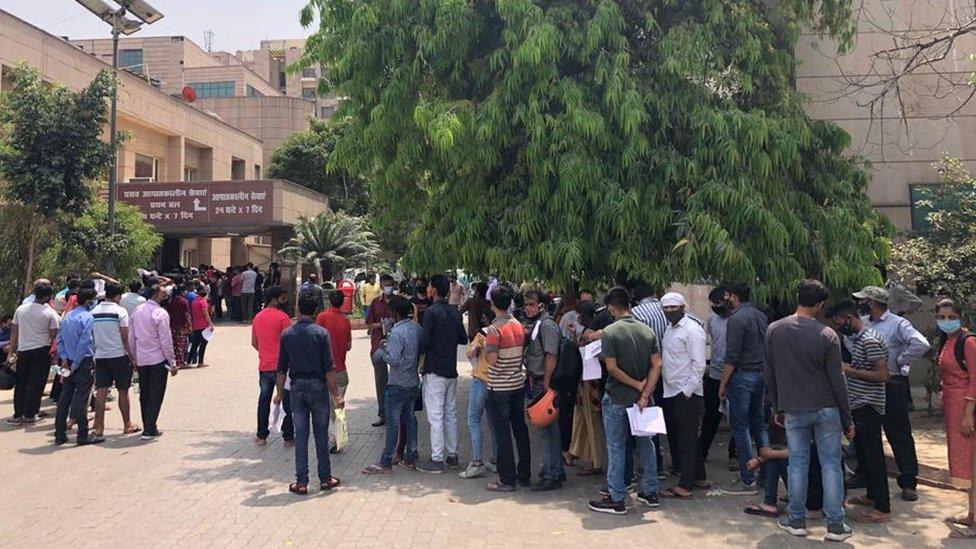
[(369, 291)]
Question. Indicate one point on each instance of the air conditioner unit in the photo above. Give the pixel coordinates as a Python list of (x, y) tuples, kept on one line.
[(141, 180)]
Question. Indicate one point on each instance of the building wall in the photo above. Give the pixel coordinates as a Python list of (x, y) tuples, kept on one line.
[(239, 74), (901, 144), (271, 119)]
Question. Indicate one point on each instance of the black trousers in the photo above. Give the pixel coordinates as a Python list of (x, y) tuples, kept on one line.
[(566, 426), (870, 454), (711, 419), (33, 366), (898, 431), (198, 347), (686, 417), (218, 308), (152, 388), (73, 402), (506, 411)]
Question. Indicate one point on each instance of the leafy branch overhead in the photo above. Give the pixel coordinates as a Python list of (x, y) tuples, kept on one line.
[(563, 139)]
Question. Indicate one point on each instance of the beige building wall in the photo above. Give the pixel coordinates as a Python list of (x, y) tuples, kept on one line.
[(271, 62), (901, 138), (271, 119)]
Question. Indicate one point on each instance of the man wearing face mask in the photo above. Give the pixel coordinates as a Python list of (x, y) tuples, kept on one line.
[(716, 329), (379, 321), (541, 354), (682, 369), (151, 342), (905, 345), (77, 353)]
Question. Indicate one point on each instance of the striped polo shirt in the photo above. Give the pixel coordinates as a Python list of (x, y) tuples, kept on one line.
[(867, 347), (506, 337)]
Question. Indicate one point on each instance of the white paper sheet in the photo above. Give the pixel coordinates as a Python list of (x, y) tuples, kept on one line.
[(277, 417), (646, 423), (723, 406), (207, 334), (591, 360)]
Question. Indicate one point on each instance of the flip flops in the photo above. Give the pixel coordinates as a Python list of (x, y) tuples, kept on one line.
[(674, 494), (298, 488), (758, 510)]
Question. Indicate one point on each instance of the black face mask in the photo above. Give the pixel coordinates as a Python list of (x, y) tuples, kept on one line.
[(720, 309), (674, 316), (864, 308), (847, 329)]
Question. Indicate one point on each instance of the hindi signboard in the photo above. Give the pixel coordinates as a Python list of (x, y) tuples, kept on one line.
[(209, 204)]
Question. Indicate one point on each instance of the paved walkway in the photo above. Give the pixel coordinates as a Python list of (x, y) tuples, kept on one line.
[(205, 484)]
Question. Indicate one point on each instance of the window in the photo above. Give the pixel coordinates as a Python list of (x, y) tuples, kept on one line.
[(147, 168), (252, 92), (237, 168), (189, 174), (309, 73), (257, 171), (308, 93), (131, 60), (213, 89), (327, 111), (282, 81)]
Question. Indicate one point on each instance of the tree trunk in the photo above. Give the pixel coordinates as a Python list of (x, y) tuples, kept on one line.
[(31, 252), (327, 270)]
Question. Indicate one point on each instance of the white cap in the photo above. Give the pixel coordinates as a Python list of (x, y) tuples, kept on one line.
[(673, 299)]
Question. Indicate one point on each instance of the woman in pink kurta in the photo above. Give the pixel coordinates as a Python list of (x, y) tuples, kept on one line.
[(959, 407)]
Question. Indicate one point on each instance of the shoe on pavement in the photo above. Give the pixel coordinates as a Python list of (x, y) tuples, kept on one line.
[(607, 505), (92, 439), (795, 527), (31, 420), (855, 482), (18, 421), (909, 494), (649, 499), (740, 488), (491, 466), (547, 485), (838, 532), (452, 462), (474, 470), (379, 422), (432, 467)]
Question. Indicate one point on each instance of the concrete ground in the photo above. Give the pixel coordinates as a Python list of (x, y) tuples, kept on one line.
[(205, 484)]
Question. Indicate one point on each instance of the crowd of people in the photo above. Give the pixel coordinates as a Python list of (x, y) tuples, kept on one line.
[(791, 388)]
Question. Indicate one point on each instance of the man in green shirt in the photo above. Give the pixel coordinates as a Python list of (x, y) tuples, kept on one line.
[(633, 361)]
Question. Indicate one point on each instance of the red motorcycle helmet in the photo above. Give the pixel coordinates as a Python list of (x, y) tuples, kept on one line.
[(542, 410)]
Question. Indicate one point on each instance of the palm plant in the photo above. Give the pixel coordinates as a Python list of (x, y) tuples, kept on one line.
[(330, 242)]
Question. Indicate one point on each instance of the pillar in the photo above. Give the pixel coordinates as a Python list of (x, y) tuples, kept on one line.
[(175, 158)]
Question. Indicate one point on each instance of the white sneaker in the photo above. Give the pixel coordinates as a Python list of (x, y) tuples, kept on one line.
[(473, 471)]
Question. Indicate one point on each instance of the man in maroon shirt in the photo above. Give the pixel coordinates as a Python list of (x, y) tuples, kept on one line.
[(379, 321), (340, 334)]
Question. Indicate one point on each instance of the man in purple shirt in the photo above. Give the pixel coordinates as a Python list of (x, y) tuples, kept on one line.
[(151, 343)]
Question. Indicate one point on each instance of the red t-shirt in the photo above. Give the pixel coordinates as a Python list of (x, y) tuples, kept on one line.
[(379, 310), (198, 313), (266, 329), (340, 335)]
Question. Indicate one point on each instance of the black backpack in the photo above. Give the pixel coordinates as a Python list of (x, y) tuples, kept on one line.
[(959, 348), (567, 374)]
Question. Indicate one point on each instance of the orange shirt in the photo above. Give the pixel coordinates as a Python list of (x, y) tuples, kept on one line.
[(340, 334)]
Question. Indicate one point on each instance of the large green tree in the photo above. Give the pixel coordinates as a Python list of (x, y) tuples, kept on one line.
[(561, 139), (305, 158)]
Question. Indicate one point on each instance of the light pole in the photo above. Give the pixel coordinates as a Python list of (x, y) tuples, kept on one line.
[(120, 25)]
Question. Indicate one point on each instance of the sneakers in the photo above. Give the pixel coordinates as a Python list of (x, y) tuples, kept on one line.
[(909, 494), (740, 488), (491, 466), (16, 421), (453, 463), (650, 500), (795, 527), (474, 470), (838, 532), (607, 505), (432, 467), (547, 485)]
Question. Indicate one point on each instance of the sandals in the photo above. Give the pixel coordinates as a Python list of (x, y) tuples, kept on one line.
[(299, 488), (873, 517), (959, 521), (499, 487), (759, 510), (674, 494), (588, 472), (863, 501), (962, 533), (333, 482), (132, 428)]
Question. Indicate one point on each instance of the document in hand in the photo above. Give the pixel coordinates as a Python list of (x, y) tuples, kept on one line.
[(647, 422), (277, 417), (591, 360)]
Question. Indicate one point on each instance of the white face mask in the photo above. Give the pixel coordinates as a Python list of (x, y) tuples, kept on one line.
[(387, 290)]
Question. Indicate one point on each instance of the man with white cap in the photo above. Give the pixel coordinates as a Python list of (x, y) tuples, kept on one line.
[(683, 367), (905, 344)]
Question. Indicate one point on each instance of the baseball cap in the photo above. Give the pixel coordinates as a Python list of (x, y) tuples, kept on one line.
[(875, 293)]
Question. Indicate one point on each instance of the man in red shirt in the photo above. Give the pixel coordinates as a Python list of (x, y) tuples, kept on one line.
[(379, 321), (266, 339), (340, 333)]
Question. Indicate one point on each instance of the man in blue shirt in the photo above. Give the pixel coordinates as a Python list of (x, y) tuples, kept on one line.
[(76, 351)]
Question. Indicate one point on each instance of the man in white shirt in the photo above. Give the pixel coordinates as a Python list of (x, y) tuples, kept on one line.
[(35, 326), (112, 357), (248, 278), (683, 366), (132, 299)]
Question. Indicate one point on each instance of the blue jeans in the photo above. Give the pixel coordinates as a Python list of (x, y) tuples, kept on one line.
[(824, 428), (399, 409), (552, 449), (773, 471), (745, 395), (617, 429), (311, 407), (477, 406)]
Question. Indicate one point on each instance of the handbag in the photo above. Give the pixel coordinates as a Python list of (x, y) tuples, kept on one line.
[(8, 378)]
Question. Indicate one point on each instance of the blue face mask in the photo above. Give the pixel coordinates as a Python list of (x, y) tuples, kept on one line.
[(949, 326)]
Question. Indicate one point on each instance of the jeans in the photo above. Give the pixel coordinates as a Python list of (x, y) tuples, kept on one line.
[(399, 411), (311, 408), (506, 411), (774, 470), (266, 383), (617, 428), (381, 375), (552, 449), (745, 395), (247, 304), (235, 308), (824, 428), (32, 368), (152, 389), (687, 412), (198, 347), (477, 406), (870, 455), (898, 431), (74, 401), (440, 401), (711, 419)]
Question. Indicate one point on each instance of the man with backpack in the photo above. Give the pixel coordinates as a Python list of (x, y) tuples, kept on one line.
[(541, 353)]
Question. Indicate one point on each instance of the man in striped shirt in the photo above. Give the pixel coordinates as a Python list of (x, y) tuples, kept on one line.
[(866, 377), (504, 344)]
